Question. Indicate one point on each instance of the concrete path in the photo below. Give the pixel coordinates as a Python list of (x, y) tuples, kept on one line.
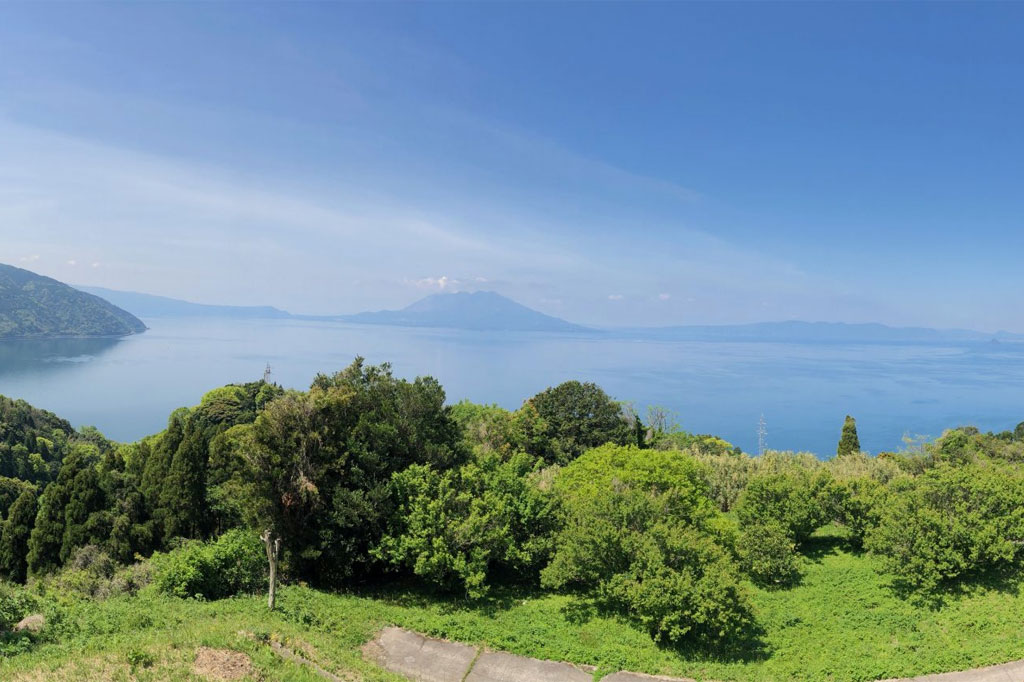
[(423, 659), (1007, 672)]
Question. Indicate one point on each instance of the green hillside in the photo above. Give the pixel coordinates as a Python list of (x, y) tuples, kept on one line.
[(33, 306)]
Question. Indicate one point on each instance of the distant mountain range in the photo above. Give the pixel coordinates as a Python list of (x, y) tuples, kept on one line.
[(817, 332), (481, 310), (33, 306), (148, 305), (489, 311)]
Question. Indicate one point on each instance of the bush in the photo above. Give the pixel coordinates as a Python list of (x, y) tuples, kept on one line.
[(681, 587), (768, 554), (799, 500), (16, 602), (860, 507), (679, 478), (950, 522), (488, 428), (727, 476), (92, 573), (459, 527), (234, 564), (641, 536)]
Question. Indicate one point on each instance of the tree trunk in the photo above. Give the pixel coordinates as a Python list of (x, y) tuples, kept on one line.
[(273, 550)]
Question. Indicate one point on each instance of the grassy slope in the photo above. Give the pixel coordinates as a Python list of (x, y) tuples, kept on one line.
[(841, 623)]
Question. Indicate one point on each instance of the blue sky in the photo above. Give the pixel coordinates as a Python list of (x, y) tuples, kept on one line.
[(607, 163)]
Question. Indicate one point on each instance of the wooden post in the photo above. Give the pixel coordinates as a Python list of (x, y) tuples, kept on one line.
[(273, 550)]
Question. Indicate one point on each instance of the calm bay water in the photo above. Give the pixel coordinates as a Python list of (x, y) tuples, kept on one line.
[(128, 387)]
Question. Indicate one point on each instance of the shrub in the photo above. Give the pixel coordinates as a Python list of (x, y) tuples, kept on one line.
[(92, 573), (860, 507), (680, 586), (799, 500), (16, 602), (727, 476), (678, 477), (768, 554), (458, 528), (487, 428), (950, 522), (234, 564), (641, 536), (882, 468)]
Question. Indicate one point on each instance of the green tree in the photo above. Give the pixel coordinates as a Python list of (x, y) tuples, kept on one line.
[(488, 428), (14, 535), (849, 443), (767, 553), (462, 527), (84, 521), (183, 494), (319, 464), (576, 417), (950, 522), (157, 453), (640, 535), (10, 490), (800, 501)]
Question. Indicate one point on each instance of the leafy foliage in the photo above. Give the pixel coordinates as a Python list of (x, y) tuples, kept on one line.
[(14, 535), (950, 522), (32, 442), (233, 564), (799, 501), (15, 603), (367, 474), (462, 527), (638, 533), (320, 464), (768, 554), (573, 417)]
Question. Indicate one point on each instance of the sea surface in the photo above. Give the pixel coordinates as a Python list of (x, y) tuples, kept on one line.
[(127, 387)]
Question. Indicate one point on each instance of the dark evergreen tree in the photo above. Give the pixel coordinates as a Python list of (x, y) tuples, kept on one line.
[(14, 537), (183, 498), (576, 417), (10, 490), (47, 535), (849, 443), (157, 465), (85, 499), (639, 433)]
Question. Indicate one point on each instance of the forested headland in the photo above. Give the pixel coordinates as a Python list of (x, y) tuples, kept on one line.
[(375, 483), (33, 306)]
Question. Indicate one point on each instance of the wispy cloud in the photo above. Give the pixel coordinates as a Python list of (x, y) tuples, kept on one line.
[(441, 283)]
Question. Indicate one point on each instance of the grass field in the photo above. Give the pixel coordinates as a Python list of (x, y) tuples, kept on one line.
[(841, 623)]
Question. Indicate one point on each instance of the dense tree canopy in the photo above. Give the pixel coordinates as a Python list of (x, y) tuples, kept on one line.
[(35, 306), (321, 462), (574, 417)]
